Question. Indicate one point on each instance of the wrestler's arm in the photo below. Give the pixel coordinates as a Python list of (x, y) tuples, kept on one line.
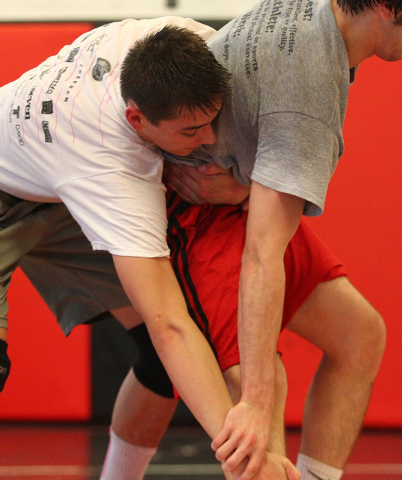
[(273, 219), (154, 291)]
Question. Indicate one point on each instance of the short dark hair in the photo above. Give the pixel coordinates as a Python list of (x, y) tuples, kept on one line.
[(358, 6), (170, 70)]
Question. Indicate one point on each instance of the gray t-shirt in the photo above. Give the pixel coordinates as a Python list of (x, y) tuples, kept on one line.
[(282, 125)]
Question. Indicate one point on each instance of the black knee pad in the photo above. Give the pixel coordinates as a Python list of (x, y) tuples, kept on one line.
[(147, 366)]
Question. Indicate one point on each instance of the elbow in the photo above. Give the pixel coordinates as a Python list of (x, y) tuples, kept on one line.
[(255, 254), (165, 332), (262, 263), (262, 252)]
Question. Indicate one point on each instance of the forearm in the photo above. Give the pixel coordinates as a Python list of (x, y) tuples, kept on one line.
[(273, 220), (195, 373), (261, 294), (152, 288)]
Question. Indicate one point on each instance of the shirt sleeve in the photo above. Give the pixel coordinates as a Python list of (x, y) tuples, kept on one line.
[(204, 31), (297, 154), (119, 212)]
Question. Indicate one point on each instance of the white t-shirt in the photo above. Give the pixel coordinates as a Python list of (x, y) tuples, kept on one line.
[(64, 138)]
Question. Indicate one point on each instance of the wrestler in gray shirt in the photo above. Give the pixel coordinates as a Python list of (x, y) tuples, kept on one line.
[(282, 125)]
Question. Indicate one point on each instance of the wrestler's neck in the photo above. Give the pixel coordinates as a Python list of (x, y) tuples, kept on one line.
[(359, 32)]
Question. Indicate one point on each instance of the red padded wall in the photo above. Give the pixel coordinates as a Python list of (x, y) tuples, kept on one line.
[(362, 225), (24, 46), (50, 375)]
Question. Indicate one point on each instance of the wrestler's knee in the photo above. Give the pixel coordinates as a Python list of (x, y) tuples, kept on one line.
[(365, 352), (147, 366), (359, 344), (341, 322)]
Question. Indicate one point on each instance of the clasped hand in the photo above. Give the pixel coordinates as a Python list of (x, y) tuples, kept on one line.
[(207, 183), (241, 447)]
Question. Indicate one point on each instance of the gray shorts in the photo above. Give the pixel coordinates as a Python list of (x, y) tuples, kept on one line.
[(77, 283)]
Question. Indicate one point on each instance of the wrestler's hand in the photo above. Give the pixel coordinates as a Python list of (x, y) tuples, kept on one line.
[(276, 467), (5, 364), (244, 434), (207, 183), (273, 467)]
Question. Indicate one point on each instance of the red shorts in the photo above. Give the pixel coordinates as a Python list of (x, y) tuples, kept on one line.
[(207, 244)]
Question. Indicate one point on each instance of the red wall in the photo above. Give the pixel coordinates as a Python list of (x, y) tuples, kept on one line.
[(50, 377)]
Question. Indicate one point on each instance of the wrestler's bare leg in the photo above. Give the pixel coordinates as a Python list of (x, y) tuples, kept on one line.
[(140, 416), (351, 334), (139, 421)]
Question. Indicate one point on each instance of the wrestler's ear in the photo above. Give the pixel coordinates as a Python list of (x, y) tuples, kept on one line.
[(134, 116), (386, 13)]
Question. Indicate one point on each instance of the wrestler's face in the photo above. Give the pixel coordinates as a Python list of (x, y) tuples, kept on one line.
[(182, 134)]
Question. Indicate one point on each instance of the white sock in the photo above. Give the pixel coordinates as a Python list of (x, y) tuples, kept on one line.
[(311, 469), (125, 461)]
